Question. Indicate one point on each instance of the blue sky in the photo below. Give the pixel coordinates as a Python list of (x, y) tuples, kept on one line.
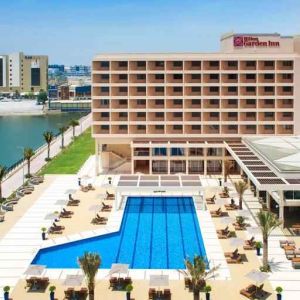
[(72, 31)]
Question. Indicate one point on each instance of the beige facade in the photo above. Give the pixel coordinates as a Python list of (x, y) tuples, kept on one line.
[(23, 73), (250, 87)]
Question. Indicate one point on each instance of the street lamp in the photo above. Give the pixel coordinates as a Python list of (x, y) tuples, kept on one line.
[(23, 149)]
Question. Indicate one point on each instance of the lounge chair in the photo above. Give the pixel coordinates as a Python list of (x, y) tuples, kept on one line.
[(84, 188), (286, 243), (233, 253), (237, 259), (99, 221), (90, 187), (106, 207), (217, 213), (225, 235), (59, 227), (151, 293), (249, 291), (238, 226), (73, 202), (211, 200), (2, 218), (223, 231), (249, 244), (296, 263), (110, 196), (231, 206), (113, 281), (167, 294)]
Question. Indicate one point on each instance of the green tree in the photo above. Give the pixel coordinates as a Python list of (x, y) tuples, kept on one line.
[(62, 131), (267, 222), (42, 97), (241, 187), (28, 153), (90, 263), (74, 123), (3, 172), (48, 136)]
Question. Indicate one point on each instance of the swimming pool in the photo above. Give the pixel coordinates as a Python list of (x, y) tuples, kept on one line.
[(156, 233)]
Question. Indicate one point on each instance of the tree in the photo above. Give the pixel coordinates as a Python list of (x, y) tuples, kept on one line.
[(48, 136), (28, 153), (90, 263), (267, 222), (42, 97), (74, 123), (3, 172), (196, 270), (241, 187), (62, 131), (228, 164)]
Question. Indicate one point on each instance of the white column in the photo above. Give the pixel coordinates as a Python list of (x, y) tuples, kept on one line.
[(281, 209), (97, 157), (268, 201)]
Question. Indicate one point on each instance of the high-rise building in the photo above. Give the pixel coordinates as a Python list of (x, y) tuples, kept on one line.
[(23, 73), (163, 110)]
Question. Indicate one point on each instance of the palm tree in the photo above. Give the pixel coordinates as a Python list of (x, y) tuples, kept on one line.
[(267, 222), (241, 187), (62, 131), (3, 172), (74, 123), (90, 263), (48, 136), (28, 153), (228, 164), (196, 270)]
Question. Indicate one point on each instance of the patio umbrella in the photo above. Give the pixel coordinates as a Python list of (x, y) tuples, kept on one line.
[(254, 230), (119, 268), (73, 280), (61, 202), (159, 280), (221, 201), (243, 213), (227, 220), (95, 207), (35, 270), (51, 216), (257, 276), (70, 191), (236, 242)]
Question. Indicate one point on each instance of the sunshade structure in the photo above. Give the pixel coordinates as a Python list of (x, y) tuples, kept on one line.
[(35, 270), (257, 276), (227, 220), (70, 191), (51, 216), (61, 202), (254, 230), (243, 213), (95, 207), (73, 280), (221, 201), (159, 280), (236, 242), (119, 268)]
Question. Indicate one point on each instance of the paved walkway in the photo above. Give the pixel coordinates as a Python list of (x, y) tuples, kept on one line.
[(16, 179), (19, 245)]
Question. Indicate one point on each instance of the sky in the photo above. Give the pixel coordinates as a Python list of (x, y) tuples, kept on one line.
[(73, 31)]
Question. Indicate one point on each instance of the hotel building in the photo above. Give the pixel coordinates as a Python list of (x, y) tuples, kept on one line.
[(23, 73), (172, 112)]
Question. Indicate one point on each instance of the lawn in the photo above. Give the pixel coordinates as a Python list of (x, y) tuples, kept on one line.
[(70, 160)]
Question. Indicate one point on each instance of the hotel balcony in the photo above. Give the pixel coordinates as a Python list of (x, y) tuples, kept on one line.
[(119, 66), (101, 65), (285, 78), (229, 91), (248, 78), (211, 91), (285, 91), (137, 91), (211, 78), (119, 129), (141, 152), (156, 91), (266, 129), (100, 78), (211, 65), (137, 65), (192, 116), (211, 103), (266, 78), (119, 78), (174, 91), (156, 78), (174, 116), (229, 129), (137, 129), (229, 116), (119, 116), (211, 129), (196, 167), (101, 91), (174, 103), (211, 116), (266, 65), (248, 103), (156, 129), (248, 129), (156, 65), (229, 78), (266, 116), (100, 104), (175, 65), (192, 129), (285, 103), (156, 116), (137, 78), (248, 91), (285, 116), (101, 116), (248, 65), (174, 129), (174, 78), (266, 91), (192, 65), (192, 91), (266, 103), (137, 104), (192, 78), (287, 65), (100, 129), (196, 152), (192, 103), (229, 103), (229, 65), (285, 129), (119, 91), (156, 103), (137, 116), (119, 103), (248, 116)]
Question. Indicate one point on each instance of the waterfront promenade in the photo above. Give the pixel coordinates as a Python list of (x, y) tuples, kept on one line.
[(15, 179)]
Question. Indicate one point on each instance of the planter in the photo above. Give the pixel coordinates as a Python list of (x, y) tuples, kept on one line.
[(43, 236), (52, 296), (258, 251), (6, 295), (127, 295), (279, 296), (207, 296)]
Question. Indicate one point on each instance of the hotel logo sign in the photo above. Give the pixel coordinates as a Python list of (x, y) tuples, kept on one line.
[(250, 41)]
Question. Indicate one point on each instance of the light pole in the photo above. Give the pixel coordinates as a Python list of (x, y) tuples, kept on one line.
[(23, 149)]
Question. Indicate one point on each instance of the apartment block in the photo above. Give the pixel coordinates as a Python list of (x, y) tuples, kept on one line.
[(145, 102), (23, 73)]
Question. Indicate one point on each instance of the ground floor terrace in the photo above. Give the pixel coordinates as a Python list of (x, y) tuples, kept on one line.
[(21, 235)]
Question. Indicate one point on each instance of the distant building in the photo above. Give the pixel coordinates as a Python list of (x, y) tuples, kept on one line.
[(56, 69), (74, 92), (53, 92), (23, 73), (78, 70)]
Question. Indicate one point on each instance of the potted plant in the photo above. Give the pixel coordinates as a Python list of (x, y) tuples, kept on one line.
[(128, 289), (207, 290), (6, 290), (279, 291), (109, 180), (52, 289), (240, 220), (258, 246), (44, 229)]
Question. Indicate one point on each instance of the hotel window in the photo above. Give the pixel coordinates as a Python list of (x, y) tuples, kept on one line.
[(232, 115), (177, 102), (232, 63), (35, 76), (250, 63), (287, 76), (269, 114), (123, 64), (104, 64), (214, 115), (177, 114), (177, 151), (159, 166), (196, 63), (269, 101), (122, 76), (105, 115), (159, 89), (141, 89), (250, 89), (141, 127), (214, 63), (269, 63), (177, 127), (251, 127), (287, 101), (105, 77), (196, 101), (141, 76), (159, 102), (268, 76), (232, 89), (232, 101), (287, 114), (288, 127), (196, 89), (213, 102), (214, 152), (250, 114), (177, 64), (123, 114), (287, 89), (123, 89), (104, 89), (214, 89), (232, 76), (159, 151), (250, 76), (104, 102), (141, 114), (196, 151), (214, 76), (196, 127), (159, 76), (250, 102), (196, 76), (232, 127), (159, 115), (196, 115), (269, 127), (123, 127), (269, 89), (159, 64), (122, 102), (141, 64), (104, 127), (177, 76), (159, 127), (287, 63), (177, 89)]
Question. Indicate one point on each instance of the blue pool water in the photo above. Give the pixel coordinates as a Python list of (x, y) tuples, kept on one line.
[(156, 233)]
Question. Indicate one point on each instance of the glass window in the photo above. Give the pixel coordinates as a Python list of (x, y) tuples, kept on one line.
[(104, 64), (141, 89), (177, 101), (177, 76), (159, 76), (141, 102), (122, 76), (196, 151), (196, 101), (104, 89), (214, 76), (177, 151), (159, 151), (269, 76), (159, 114), (123, 64), (177, 89), (196, 114), (214, 151), (160, 64), (122, 102), (141, 76), (196, 76), (250, 76), (196, 63), (141, 64), (177, 64), (141, 114), (232, 76), (159, 89)]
